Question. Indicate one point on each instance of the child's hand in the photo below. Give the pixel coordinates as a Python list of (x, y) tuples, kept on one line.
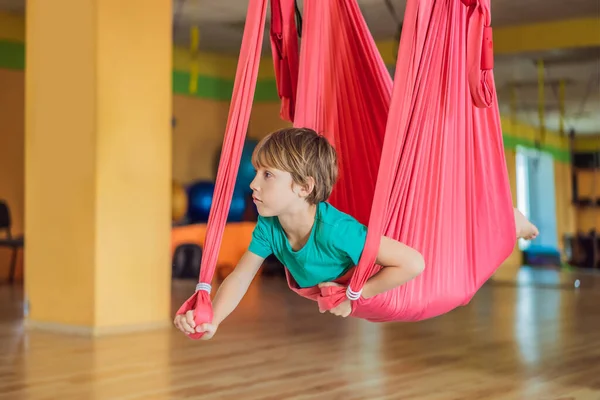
[(344, 308), (208, 329), (186, 324)]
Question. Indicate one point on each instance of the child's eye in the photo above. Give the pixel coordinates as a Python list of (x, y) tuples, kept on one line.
[(268, 174)]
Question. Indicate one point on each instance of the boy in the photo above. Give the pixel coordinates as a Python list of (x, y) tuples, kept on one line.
[(296, 170)]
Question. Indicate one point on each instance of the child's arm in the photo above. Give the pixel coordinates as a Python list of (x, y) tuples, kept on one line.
[(401, 264), (229, 295), (234, 287)]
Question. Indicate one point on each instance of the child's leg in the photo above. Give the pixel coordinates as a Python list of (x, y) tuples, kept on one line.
[(525, 229)]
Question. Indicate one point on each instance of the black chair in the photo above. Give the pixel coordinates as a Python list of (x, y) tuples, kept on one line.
[(187, 258), (15, 243)]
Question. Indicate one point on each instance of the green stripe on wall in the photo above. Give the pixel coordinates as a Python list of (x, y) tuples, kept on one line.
[(221, 89), (12, 55), (208, 87), (511, 142), (266, 90)]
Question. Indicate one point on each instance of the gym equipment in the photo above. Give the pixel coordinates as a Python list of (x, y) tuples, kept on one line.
[(200, 200), (179, 201), (246, 170)]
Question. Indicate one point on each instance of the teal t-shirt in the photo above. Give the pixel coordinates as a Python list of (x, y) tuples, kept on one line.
[(335, 245)]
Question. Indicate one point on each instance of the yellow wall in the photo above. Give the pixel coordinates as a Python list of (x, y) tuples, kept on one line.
[(196, 137), (12, 153), (588, 183), (566, 222), (198, 134), (588, 188)]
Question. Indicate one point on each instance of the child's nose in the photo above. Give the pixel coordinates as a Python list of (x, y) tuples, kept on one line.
[(253, 184)]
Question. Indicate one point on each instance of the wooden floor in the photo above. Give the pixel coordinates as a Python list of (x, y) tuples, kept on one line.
[(536, 339)]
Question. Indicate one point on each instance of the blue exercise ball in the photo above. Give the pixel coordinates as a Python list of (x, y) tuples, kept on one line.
[(238, 206), (200, 199), (246, 171)]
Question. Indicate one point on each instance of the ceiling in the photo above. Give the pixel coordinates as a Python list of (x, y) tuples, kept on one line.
[(221, 25), (221, 21)]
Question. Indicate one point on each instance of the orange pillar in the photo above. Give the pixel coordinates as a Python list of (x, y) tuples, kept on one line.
[(98, 164)]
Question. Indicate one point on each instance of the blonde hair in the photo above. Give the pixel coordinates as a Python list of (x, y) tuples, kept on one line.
[(304, 154)]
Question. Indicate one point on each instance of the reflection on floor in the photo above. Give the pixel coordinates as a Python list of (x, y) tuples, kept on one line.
[(552, 277)]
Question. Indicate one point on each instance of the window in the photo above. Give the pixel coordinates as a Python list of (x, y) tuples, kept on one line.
[(522, 187), (536, 196)]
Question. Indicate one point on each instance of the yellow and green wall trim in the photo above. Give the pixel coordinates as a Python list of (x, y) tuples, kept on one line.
[(216, 78)]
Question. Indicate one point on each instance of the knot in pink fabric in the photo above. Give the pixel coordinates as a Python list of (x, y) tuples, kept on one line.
[(203, 311)]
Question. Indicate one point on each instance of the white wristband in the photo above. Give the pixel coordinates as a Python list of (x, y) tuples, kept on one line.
[(352, 295), (204, 286)]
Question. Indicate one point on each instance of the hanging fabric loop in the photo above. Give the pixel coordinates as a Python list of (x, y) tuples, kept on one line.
[(284, 46), (487, 50), (480, 55)]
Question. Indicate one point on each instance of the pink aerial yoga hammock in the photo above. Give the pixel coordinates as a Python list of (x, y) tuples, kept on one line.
[(421, 161)]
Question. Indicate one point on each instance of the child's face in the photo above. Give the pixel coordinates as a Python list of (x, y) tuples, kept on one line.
[(274, 192)]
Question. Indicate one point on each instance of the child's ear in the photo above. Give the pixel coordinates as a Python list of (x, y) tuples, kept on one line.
[(310, 185), (307, 188)]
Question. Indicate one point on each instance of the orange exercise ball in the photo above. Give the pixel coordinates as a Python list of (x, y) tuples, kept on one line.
[(179, 202)]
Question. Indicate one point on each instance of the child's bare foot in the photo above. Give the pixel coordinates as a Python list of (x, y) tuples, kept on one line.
[(525, 229)]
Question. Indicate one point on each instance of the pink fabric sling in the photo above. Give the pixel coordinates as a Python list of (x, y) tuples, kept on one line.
[(421, 161)]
